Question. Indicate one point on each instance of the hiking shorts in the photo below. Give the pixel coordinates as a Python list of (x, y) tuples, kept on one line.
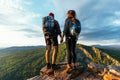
[(52, 41)]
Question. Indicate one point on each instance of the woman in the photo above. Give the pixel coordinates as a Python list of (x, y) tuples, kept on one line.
[(71, 37)]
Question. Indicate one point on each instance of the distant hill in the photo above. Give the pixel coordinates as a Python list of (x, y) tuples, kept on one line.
[(114, 47), (27, 62), (18, 49), (1, 48), (101, 56), (113, 50)]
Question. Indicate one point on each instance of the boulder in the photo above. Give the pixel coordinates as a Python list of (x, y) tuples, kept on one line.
[(113, 73), (110, 72), (97, 68)]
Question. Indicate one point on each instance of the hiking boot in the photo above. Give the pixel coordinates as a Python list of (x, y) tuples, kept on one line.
[(50, 72), (68, 70), (48, 66), (55, 67)]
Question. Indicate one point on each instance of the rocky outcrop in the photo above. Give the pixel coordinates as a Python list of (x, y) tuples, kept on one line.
[(94, 64), (80, 73), (61, 74), (93, 72), (110, 72), (95, 55)]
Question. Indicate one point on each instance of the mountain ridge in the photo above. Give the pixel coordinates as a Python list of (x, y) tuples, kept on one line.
[(114, 47), (95, 61), (26, 64), (18, 49)]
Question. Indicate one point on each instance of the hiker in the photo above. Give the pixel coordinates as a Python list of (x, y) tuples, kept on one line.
[(72, 28), (51, 30)]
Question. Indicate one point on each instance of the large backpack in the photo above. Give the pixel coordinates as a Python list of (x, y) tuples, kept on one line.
[(75, 28), (49, 24)]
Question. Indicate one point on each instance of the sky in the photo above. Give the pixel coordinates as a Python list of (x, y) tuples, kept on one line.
[(20, 20)]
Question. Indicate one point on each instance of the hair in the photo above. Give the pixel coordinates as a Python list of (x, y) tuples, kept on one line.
[(51, 14), (73, 13)]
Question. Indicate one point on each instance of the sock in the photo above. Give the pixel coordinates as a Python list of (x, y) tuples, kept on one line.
[(48, 65), (53, 66)]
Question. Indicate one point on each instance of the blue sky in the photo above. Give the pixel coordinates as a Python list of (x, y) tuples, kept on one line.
[(20, 20)]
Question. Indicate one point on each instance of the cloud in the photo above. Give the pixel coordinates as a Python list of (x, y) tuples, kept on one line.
[(20, 20), (14, 13), (32, 33), (29, 30), (99, 19), (107, 33), (16, 23), (99, 24)]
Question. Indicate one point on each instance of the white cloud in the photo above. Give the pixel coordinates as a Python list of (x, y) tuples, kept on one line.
[(19, 25), (13, 38), (117, 13), (66, 4), (13, 12), (13, 17), (62, 6), (116, 22), (98, 19), (8, 7)]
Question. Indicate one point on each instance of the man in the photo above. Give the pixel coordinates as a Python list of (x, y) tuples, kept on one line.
[(51, 30)]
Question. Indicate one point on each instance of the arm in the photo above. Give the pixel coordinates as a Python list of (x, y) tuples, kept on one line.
[(65, 31), (58, 30)]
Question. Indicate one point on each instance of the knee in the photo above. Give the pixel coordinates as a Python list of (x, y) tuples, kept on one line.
[(48, 50), (56, 48)]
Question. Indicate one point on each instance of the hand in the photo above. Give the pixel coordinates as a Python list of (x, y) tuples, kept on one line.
[(61, 40)]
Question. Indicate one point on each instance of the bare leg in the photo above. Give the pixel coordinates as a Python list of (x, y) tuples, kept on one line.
[(54, 55), (48, 49)]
